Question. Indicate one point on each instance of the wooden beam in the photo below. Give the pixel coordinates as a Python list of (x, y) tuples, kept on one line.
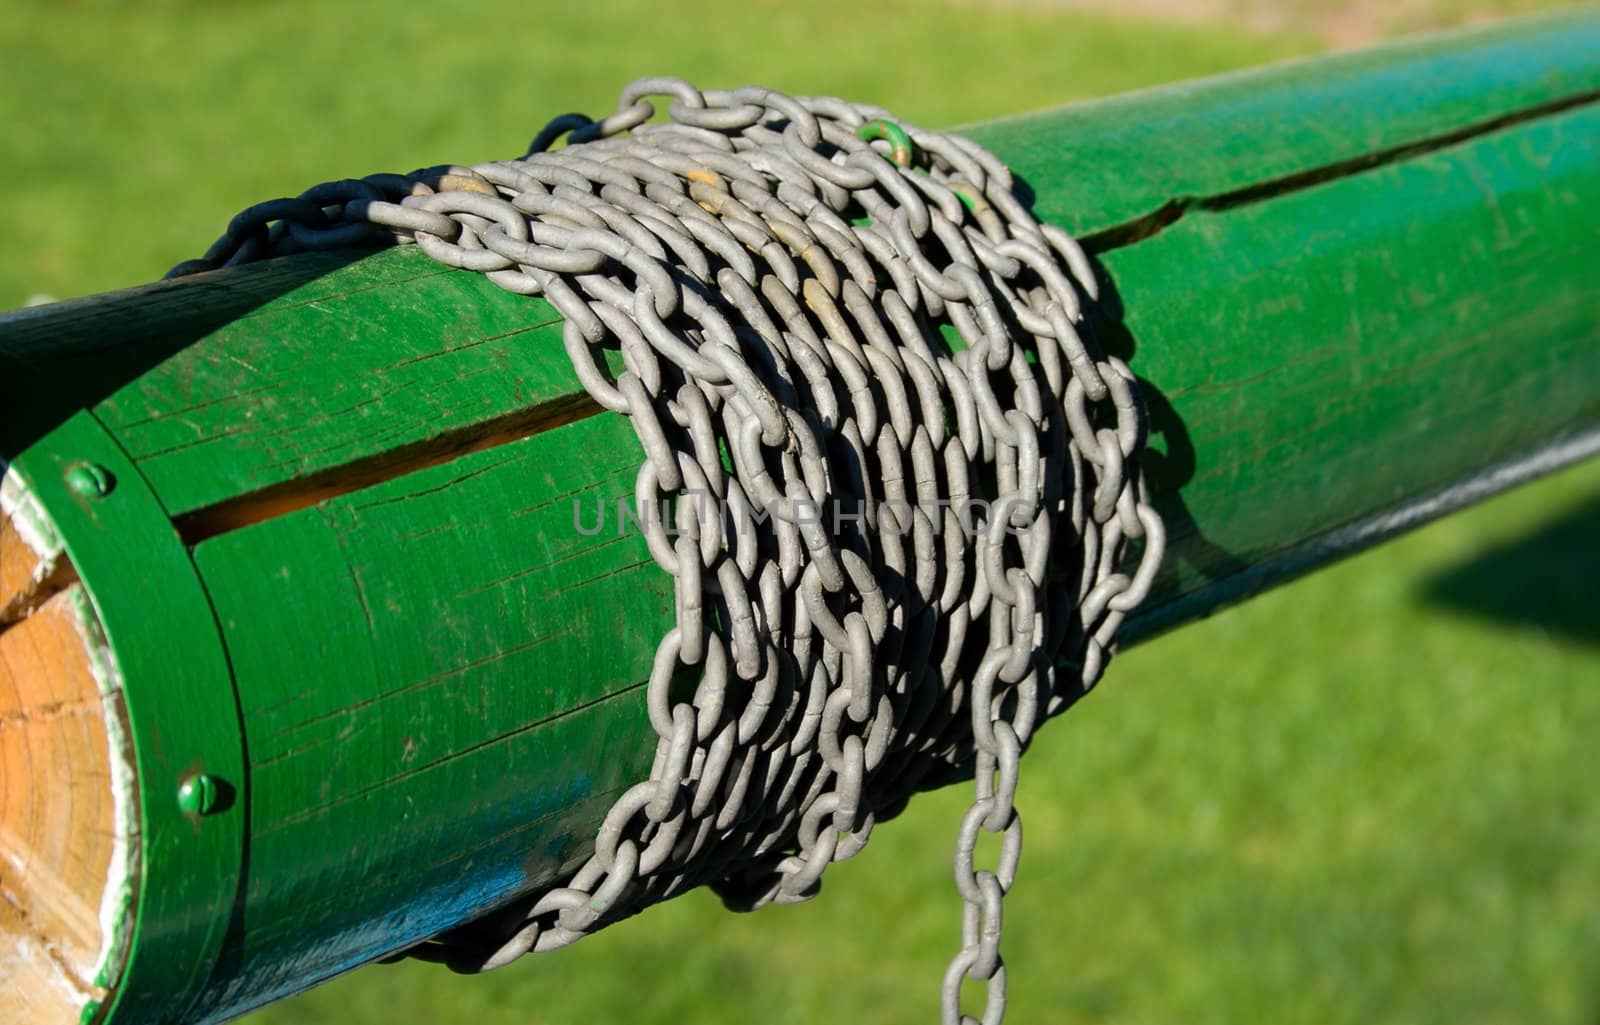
[(64, 840), (1360, 291)]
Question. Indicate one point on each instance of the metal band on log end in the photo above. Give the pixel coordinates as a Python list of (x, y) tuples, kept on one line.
[(119, 681), (332, 561), (68, 816)]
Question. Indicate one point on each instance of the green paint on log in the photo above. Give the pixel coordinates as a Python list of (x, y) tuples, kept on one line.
[(467, 654), (1382, 336), (1374, 277), (357, 375), (182, 714), (1097, 166)]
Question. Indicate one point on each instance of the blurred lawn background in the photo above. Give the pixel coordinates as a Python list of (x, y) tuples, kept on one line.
[(1369, 796)]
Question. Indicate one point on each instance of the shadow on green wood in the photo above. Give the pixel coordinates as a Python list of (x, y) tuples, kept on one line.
[(437, 677)]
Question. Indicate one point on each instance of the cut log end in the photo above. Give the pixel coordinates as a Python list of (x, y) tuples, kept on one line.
[(68, 818)]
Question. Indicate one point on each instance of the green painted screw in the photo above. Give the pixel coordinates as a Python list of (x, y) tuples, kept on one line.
[(90, 480), (198, 795)]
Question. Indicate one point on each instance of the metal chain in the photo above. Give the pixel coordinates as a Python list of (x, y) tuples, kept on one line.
[(895, 548)]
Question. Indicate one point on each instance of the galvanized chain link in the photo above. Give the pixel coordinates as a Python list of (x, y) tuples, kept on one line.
[(895, 549)]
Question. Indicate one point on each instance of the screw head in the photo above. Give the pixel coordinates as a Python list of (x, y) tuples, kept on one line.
[(90, 480), (198, 795)]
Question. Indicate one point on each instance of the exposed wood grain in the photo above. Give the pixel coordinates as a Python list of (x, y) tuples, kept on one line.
[(28, 578), (156, 653), (33, 988), (58, 828), (20, 565)]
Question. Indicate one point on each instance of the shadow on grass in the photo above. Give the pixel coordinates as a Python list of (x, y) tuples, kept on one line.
[(1548, 579)]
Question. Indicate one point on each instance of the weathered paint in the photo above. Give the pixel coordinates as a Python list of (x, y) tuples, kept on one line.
[(21, 509), (1383, 335), (117, 903), (1365, 531), (1375, 278), (1097, 166), (458, 652), (182, 714)]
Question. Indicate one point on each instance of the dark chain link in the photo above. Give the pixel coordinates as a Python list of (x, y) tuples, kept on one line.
[(894, 549)]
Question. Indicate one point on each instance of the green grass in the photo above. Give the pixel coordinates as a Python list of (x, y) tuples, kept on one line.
[(1368, 796)]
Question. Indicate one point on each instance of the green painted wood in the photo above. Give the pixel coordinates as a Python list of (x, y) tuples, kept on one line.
[(438, 676), (463, 654), (281, 371), (183, 719), (1382, 337), (1313, 413), (1095, 166), (68, 356), (377, 366)]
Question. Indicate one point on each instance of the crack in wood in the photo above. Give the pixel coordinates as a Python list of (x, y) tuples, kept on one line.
[(61, 575), (293, 495), (20, 917), (304, 492), (1173, 210)]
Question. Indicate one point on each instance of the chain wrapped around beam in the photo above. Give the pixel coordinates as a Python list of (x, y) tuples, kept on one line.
[(896, 547)]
